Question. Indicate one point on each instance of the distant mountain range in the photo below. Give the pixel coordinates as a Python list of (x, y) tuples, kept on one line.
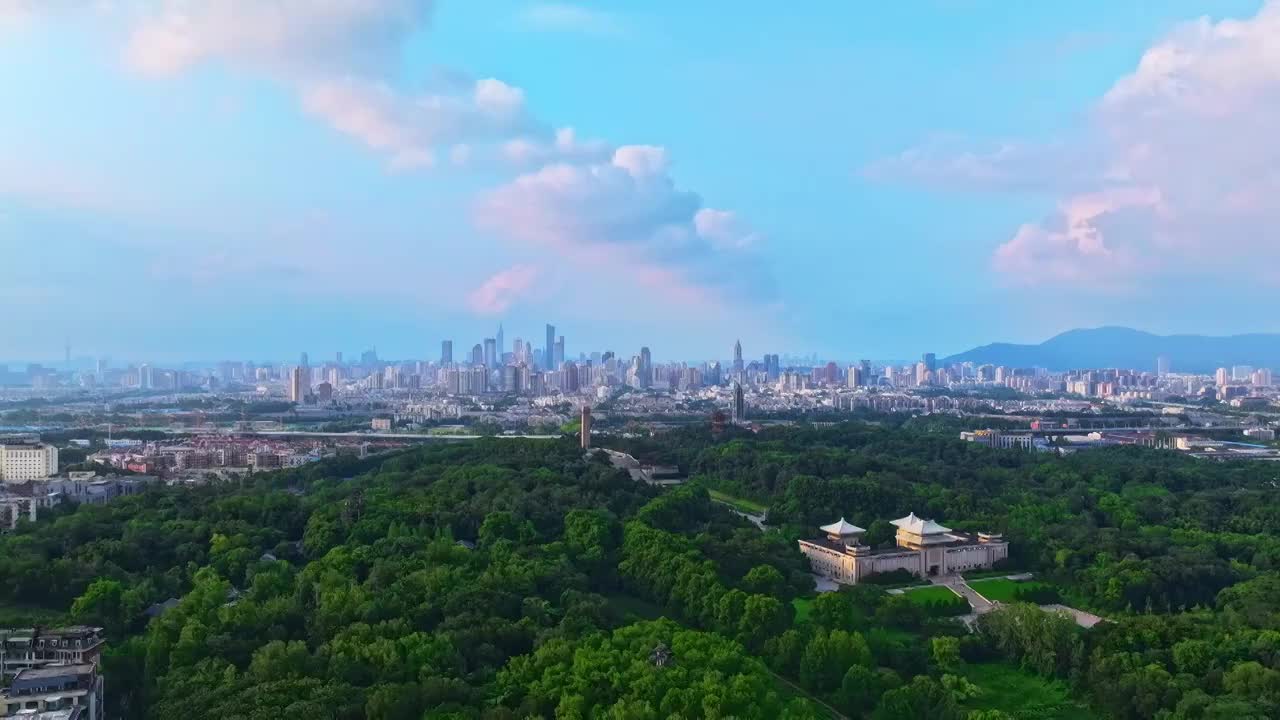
[(1118, 347)]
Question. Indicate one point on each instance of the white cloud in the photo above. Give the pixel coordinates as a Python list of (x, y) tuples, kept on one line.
[(564, 147), (500, 291), (409, 129), (600, 204), (564, 17), (627, 215), (1175, 177), (290, 36), (950, 164), (724, 228), (338, 56)]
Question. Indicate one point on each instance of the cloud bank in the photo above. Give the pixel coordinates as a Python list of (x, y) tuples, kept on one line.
[(626, 216), (1175, 176), (587, 201)]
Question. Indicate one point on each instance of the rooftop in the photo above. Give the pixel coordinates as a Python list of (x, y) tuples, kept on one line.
[(919, 526), (841, 528), (954, 539), (53, 671)]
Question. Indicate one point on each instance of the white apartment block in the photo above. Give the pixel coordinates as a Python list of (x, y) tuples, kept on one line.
[(27, 461)]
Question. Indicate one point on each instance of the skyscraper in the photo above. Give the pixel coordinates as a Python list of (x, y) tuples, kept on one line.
[(930, 361), (1222, 378), (297, 385), (855, 377), (549, 350), (446, 352), (477, 354), (584, 433), (558, 357), (737, 357), (739, 403), (490, 353), (1162, 365), (645, 370), (502, 345)]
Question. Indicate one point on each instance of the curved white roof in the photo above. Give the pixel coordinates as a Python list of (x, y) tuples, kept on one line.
[(919, 526), (841, 527)]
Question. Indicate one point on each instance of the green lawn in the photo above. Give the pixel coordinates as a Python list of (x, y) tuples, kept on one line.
[(1001, 590), (803, 607), (1023, 695), (740, 504), (931, 594)]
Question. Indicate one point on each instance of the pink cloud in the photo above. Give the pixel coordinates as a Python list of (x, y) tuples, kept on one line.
[(498, 293), (409, 129), (1170, 179)]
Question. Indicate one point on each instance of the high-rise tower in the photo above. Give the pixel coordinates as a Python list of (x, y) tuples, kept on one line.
[(502, 344), (737, 357), (584, 434)]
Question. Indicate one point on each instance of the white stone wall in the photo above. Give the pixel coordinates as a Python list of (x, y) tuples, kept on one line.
[(875, 564)]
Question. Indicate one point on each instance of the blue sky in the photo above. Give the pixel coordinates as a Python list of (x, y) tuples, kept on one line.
[(257, 177)]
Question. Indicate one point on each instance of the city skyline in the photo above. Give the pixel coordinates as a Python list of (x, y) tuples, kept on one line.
[(859, 181)]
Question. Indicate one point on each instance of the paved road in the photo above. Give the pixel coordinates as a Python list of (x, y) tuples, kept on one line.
[(757, 520)]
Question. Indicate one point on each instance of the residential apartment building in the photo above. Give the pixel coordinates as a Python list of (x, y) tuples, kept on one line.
[(27, 460), (51, 674), (55, 692)]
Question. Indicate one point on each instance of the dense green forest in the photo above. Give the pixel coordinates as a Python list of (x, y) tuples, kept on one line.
[(519, 579)]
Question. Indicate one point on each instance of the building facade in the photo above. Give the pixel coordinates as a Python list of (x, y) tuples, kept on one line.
[(26, 461), (923, 548), (51, 674)]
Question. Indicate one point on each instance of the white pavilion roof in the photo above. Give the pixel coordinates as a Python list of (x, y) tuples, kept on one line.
[(919, 526), (841, 527)]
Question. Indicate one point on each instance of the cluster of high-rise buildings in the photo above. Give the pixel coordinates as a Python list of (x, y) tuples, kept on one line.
[(541, 367)]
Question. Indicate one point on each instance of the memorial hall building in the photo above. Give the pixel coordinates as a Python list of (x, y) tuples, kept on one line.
[(924, 548)]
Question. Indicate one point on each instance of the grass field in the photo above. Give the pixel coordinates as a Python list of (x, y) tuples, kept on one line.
[(932, 594), (803, 607), (740, 504), (1023, 695), (1001, 590)]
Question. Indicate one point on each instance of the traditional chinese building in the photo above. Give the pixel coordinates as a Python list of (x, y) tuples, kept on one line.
[(923, 548)]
